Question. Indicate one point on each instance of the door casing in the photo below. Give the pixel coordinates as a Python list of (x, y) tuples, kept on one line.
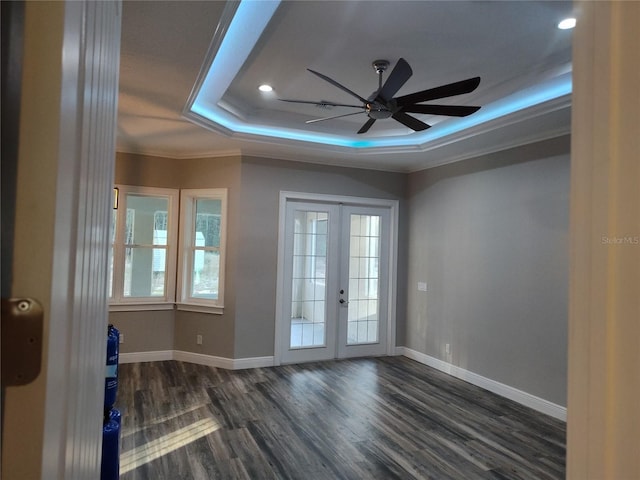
[(392, 205)]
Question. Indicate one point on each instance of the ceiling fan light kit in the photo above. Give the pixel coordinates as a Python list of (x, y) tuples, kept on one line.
[(382, 104)]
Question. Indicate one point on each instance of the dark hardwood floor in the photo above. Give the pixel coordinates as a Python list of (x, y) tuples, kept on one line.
[(383, 418)]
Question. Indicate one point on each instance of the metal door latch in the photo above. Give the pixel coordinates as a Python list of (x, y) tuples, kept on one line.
[(21, 340)]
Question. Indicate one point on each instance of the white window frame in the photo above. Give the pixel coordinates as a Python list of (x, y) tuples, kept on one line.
[(185, 301), (118, 301)]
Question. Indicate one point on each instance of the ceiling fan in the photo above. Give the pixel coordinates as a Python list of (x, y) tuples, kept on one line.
[(382, 104)]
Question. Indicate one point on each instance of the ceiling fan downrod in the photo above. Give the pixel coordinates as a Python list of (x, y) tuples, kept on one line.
[(374, 109), (380, 66)]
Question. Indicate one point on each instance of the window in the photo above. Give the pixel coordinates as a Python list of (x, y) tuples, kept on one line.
[(144, 248), (202, 241)]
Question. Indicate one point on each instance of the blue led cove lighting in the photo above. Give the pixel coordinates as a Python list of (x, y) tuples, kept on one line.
[(241, 37)]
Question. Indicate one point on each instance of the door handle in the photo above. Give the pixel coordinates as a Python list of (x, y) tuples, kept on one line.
[(21, 340)]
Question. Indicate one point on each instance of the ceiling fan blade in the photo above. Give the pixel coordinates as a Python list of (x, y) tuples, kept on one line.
[(321, 103), (365, 128), (409, 121), (448, 110), (335, 116), (397, 78), (449, 90), (336, 84)]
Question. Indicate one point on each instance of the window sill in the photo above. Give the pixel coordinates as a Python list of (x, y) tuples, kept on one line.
[(185, 307), (192, 307), (140, 306)]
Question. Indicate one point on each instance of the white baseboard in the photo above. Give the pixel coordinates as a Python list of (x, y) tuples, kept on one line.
[(201, 359), (501, 389), (197, 358), (137, 357), (253, 362), (524, 398)]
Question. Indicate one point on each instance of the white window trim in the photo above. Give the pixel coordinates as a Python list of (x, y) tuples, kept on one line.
[(192, 307), (187, 201), (137, 307), (118, 302)]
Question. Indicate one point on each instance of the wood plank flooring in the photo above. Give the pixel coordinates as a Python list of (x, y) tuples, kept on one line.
[(382, 418)]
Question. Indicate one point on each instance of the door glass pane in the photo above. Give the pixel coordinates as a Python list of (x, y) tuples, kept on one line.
[(308, 288), (364, 257)]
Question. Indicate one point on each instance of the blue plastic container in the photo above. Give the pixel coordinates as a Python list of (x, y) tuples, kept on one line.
[(111, 377), (110, 467), (114, 414)]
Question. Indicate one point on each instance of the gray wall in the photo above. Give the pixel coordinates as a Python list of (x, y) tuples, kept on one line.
[(247, 327), (489, 236), (217, 330), (145, 331), (262, 181)]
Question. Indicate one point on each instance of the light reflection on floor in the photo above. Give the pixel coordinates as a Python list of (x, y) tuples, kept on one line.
[(166, 444), (171, 416)]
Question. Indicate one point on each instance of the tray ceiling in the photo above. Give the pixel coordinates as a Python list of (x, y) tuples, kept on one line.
[(168, 48)]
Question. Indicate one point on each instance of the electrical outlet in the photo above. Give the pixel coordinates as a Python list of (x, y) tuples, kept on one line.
[(447, 349), (121, 337), (199, 339)]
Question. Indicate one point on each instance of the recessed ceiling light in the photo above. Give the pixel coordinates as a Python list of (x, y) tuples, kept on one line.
[(265, 88), (567, 24)]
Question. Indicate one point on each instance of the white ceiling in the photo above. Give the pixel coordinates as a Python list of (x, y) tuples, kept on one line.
[(513, 45)]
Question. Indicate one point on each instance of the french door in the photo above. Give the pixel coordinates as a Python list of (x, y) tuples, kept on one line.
[(335, 289)]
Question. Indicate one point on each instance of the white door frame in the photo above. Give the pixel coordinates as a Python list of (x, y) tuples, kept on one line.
[(392, 205), (52, 427)]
